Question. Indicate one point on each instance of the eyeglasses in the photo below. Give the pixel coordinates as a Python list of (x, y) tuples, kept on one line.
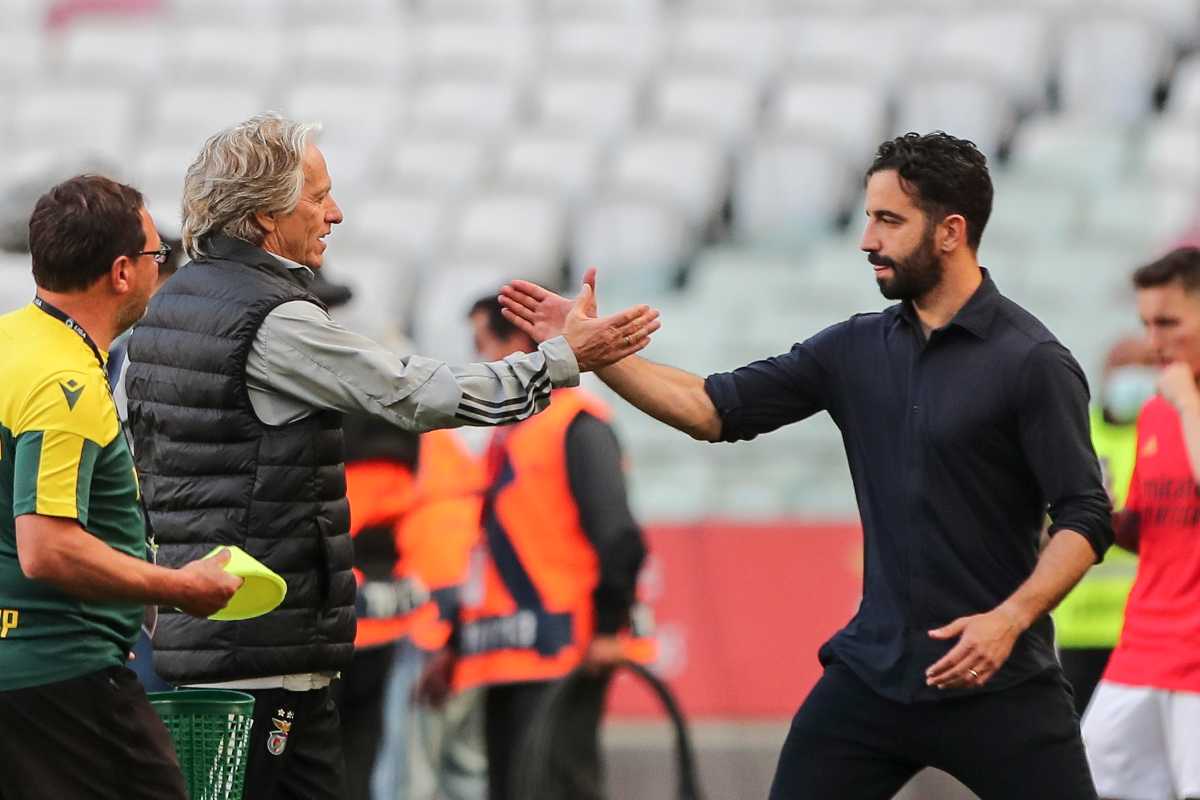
[(160, 255)]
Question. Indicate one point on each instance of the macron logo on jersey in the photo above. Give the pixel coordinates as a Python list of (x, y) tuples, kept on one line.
[(71, 390)]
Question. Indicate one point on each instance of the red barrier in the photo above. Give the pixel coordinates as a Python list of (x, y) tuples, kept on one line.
[(741, 610)]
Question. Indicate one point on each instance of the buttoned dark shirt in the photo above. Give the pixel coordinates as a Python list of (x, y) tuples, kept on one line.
[(958, 445)]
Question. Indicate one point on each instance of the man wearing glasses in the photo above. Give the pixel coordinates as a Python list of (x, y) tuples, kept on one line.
[(73, 570)]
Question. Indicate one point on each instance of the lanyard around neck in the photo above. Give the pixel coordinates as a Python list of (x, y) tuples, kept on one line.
[(62, 317)]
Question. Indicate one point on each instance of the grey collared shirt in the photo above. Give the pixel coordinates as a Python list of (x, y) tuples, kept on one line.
[(302, 362)]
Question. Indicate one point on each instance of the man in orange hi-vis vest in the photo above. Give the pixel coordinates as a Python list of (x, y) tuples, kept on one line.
[(560, 555), (414, 514)]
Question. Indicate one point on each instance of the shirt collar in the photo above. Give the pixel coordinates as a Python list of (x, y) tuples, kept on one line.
[(975, 316), (292, 265)]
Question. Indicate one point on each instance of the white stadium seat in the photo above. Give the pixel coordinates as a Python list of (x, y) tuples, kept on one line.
[(1109, 67), (966, 44), (638, 242), (967, 108), (159, 172), (521, 227), (449, 287), (789, 189), (708, 101), (830, 46), (75, 119), (737, 45), (228, 54), (124, 52), (568, 163), (846, 114), (1033, 214), (679, 168), (602, 106), (349, 113), (1072, 149), (186, 116), (367, 54), (502, 50), (1184, 100), (632, 11), (1171, 152), (607, 45), (482, 107), (412, 226), (1141, 216), (438, 164)]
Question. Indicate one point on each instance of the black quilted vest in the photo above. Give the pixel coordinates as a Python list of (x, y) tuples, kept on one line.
[(212, 473)]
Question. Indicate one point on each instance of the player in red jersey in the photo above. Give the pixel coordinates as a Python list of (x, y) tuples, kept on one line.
[(1142, 727)]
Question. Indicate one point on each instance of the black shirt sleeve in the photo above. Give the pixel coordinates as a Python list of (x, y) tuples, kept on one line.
[(768, 394), (1056, 438), (598, 486)]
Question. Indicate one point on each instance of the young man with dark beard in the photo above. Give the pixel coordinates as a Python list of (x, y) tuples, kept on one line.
[(964, 421)]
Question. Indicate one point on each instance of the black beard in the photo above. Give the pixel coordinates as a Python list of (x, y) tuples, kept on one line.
[(912, 277)]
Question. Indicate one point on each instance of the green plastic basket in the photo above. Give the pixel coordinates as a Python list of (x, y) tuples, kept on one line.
[(211, 731)]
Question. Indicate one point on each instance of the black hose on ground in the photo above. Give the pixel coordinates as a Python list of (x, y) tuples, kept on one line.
[(567, 724)]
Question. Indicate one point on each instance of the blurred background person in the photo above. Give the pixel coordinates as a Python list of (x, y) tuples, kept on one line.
[(1143, 724), (381, 462), (436, 752), (1087, 622), (554, 582)]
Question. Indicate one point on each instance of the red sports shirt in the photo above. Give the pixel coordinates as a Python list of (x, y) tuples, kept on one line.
[(1160, 643)]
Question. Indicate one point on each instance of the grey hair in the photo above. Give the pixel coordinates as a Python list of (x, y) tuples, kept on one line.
[(256, 166)]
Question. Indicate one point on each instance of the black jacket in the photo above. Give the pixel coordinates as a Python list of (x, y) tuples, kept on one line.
[(212, 473)]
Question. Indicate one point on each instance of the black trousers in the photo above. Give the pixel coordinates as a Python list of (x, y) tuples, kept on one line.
[(360, 696), (849, 743), (95, 736), (509, 710), (295, 747), (1083, 668)]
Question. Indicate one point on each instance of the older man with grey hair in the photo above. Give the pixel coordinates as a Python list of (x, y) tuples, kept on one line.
[(237, 381)]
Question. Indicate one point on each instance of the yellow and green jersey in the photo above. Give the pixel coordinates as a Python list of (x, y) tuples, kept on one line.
[(62, 454), (1091, 616)]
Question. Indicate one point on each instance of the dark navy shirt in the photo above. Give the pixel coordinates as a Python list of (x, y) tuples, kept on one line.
[(958, 446)]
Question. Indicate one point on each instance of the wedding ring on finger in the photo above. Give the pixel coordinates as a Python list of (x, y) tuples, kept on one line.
[(974, 674)]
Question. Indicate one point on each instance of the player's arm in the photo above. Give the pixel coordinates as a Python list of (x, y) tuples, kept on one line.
[(302, 353), (986, 640), (597, 481), (757, 398), (670, 395), (57, 445), (60, 552), (1055, 438)]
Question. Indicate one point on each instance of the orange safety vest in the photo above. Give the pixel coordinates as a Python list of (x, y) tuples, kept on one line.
[(380, 493), (531, 616), (438, 534)]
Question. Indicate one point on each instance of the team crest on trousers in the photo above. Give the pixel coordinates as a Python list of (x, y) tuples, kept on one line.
[(277, 739)]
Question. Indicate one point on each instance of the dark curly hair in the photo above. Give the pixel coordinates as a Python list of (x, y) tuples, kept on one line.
[(943, 175)]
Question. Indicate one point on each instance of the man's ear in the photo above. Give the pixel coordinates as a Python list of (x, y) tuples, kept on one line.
[(265, 221), (954, 233), (120, 274)]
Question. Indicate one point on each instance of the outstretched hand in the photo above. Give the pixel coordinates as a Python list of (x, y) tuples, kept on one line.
[(596, 342)]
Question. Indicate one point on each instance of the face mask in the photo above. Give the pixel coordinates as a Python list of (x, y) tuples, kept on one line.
[(1126, 390)]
